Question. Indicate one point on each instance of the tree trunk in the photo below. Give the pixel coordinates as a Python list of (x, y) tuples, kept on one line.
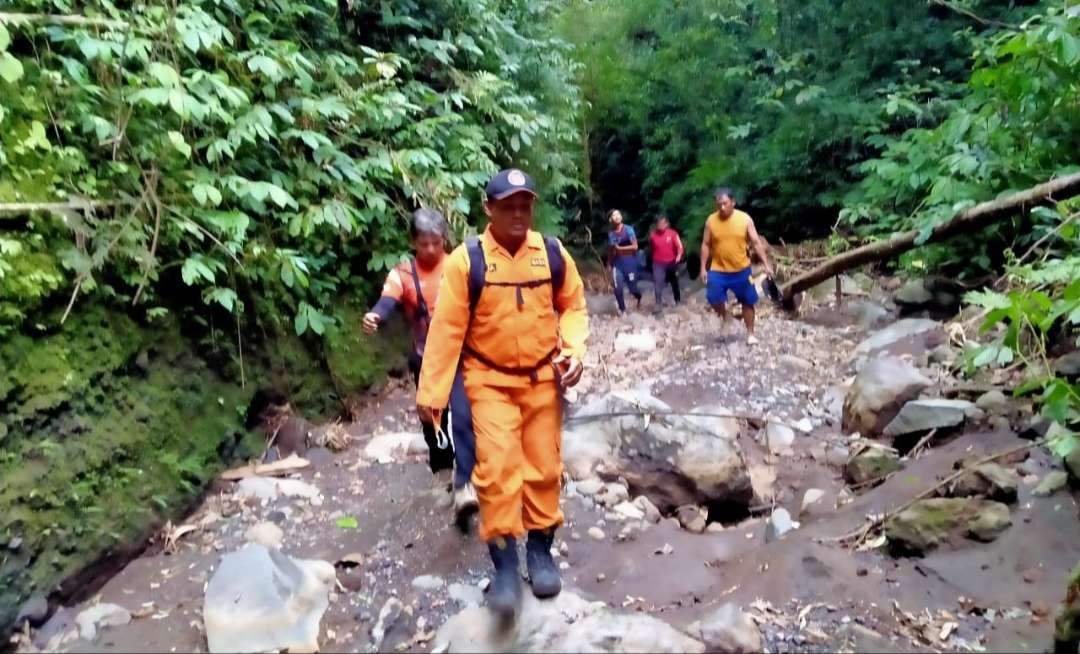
[(967, 221)]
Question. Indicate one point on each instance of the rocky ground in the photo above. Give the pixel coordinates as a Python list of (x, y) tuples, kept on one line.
[(684, 532)]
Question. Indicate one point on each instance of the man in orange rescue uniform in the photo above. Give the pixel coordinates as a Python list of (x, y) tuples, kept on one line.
[(512, 305)]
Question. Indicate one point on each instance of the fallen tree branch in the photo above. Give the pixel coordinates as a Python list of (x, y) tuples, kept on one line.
[(60, 19), (966, 221), (857, 536), (57, 207), (989, 22)]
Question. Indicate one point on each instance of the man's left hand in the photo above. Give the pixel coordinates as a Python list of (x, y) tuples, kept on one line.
[(570, 370), (769, 271)]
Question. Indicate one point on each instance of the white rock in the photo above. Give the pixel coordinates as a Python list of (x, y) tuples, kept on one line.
[(727, 629), (596, 533), (566, 623), (795, 362), (260, 599), (399, 446), (264, 488), (652, 514), (811, 496), (428, 583), (589, 487), (779, 438), (805, 425), (780, 523), (265, 533), (630, 511), (640, 341), (100, 615), (896, 332)]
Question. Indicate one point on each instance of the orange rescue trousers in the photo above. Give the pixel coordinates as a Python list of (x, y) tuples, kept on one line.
[(518, 457)]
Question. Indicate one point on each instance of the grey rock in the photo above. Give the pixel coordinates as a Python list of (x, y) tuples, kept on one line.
[(923, 415), (652, 514), (99, 616), (596, 533), (999, 423), (939, 522), (882, 386), (1036, 427), (589, 487), (900, 330), (692, 518), (34, 610), (942, 354), (873, 463), (810, 497), (260, 599), (705, 461), (779, 438), (794, 362), (780, 523), (837, 455), (1051, 483), (565, 623), (914, 292), (466, 594), (319, 456), (988, 480), (428, 583), (388, 617), (1068, 366), (870, 314), (15, 543), (993, 402), (267, 534), (727, 629)]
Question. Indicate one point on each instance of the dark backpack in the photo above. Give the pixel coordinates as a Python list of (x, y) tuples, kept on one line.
[(478, 272)]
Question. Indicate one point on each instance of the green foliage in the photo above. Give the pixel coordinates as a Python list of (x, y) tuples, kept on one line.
[(261, 152), (780, 100)]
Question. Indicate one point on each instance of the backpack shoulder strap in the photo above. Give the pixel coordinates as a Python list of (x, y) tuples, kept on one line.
[(556, 264), (477, 271), (421, 303)]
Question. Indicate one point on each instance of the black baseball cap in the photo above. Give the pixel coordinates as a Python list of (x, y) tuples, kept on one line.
[(508, 182)]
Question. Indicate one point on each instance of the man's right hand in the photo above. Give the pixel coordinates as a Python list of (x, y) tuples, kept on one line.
[(370, 322), (428, 415)]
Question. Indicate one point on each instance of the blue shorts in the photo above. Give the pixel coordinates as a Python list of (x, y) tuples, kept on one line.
[(718, 284)]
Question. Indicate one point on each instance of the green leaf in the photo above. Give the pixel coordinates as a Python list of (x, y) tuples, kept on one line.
[(165, 74), (194, 269), (5, 38), (226, 297), (348, 522), (178, 142), (11, 69)]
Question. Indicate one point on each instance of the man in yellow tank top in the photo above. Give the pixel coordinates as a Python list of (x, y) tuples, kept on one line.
[(725, 260)]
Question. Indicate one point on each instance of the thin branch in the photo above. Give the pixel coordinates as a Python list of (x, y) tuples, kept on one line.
[(151, 182), (989, 22), (208, 235), (58, 19), (57, 207)]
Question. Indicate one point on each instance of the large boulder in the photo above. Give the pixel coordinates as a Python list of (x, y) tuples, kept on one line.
[(989, 480), (872, 463), (880, 389), (1067, 624), (674, 460), (566, 623), (920, 416), (916, 333), (945, 522), (727, 629), (260, 599)]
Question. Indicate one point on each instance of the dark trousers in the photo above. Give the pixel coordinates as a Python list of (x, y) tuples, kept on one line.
[(624, 272), (666, 273), (457, 421)]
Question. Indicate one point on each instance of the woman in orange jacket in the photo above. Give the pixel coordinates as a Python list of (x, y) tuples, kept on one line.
[(414, 285)]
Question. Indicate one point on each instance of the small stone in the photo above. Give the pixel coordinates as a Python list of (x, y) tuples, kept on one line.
[(715, 528), (999, 423), (795, 362), (1032, 575), (727, 629), (601, 577), (596, 533), (811, 496), (780, 523), (563, 565), (692, 518), (266, 534), (1051, 483), (277, 517), (15, 544), (993, 402), (629, 532), (100, 615), (589, 487), (861, 572), (779, 438), (428, 583), (652, 514), (466, 594)]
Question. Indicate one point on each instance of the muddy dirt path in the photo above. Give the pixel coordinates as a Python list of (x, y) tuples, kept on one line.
[(803, 594)]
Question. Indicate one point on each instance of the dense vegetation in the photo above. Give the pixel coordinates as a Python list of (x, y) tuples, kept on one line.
[(225, 181)]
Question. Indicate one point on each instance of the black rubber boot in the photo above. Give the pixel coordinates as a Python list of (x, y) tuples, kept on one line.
[(504, 596), (543, 573)]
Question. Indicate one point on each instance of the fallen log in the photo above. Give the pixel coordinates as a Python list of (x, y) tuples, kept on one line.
[(968, 220)]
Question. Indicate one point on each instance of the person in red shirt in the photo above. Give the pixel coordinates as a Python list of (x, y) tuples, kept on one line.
[(667, 252), (414, 285)]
